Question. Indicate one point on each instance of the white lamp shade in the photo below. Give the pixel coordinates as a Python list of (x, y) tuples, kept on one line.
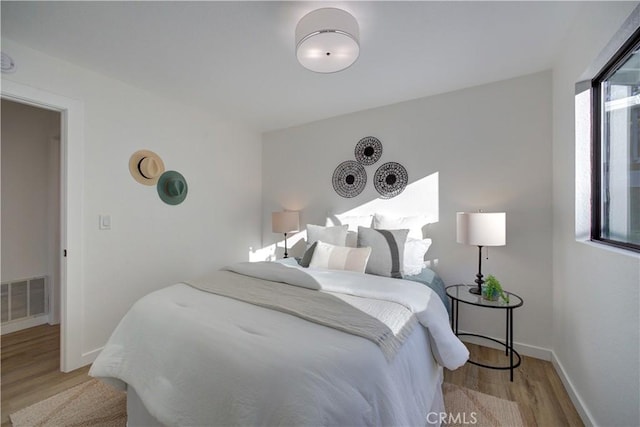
[(327, 40), (284, 222), (481, 228)]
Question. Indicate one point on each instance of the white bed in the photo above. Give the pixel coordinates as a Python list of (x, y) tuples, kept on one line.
[(189, 357)]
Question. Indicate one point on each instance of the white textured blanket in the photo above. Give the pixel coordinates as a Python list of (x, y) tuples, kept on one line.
[(197, 358), (385, 323), (419, 299)]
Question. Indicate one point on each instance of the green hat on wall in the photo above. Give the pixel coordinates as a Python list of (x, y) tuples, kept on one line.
[(172, 187)]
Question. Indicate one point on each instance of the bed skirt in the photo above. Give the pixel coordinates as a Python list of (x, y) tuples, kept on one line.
[(414, 371), (138, 416)]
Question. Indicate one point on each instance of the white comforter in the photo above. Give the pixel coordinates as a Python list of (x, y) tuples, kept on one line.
[(201, 359)]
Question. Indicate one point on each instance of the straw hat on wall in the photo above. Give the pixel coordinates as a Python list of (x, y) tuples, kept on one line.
[(146, 167)]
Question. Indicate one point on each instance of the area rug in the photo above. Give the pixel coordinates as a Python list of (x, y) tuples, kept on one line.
[(94, 403), (465, 407)]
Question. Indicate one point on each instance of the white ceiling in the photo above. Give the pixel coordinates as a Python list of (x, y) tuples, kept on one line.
[(237, 59)]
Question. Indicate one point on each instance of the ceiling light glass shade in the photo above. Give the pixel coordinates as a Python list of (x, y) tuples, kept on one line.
[(327, 40)]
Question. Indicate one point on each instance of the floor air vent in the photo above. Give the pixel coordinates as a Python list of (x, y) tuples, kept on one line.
[(24, 303)]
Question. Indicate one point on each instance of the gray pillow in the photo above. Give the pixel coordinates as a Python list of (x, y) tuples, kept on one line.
[(334, 235), (308, 255), (387, 250)]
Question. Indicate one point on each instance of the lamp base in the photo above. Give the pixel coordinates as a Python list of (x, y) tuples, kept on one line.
[(286, 255), (478, 289)]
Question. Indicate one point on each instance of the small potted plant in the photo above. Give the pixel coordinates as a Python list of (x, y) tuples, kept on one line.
[(492, 290)]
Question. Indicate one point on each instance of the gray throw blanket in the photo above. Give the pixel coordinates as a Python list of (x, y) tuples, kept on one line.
[(385, 323)]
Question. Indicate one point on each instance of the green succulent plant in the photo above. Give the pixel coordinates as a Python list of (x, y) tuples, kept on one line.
[(492, 289)]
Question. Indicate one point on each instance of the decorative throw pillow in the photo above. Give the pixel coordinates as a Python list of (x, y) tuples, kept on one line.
[(334, 257), (413, 223), (414, 251), (308, 254), (352, 222), (334, 235), (352, 239), (387, 250)]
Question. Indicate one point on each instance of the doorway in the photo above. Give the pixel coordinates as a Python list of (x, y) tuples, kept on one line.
[(30, 148), (71, 231)]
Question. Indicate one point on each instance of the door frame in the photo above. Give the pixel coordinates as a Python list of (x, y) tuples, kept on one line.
[(71, 217)]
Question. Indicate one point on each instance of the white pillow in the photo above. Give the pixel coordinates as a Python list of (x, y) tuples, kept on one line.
[(414, 251), (334, 257), (413, 223), (334, 235), (352, 239), (352, 221)]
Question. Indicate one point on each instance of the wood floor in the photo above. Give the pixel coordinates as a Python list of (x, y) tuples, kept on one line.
[(31, 358), (536, 387), (30, 370)]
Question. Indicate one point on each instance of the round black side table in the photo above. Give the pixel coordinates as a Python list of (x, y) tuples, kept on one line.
[(460, 294)]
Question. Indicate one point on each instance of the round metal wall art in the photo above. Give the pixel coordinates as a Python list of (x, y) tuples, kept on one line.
[(390, 179), (368, 150), (349, 179)]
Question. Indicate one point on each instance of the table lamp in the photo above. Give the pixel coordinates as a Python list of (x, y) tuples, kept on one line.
[(285, 222), (481, 229)]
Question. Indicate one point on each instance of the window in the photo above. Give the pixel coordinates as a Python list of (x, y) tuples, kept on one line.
[(616, 149)]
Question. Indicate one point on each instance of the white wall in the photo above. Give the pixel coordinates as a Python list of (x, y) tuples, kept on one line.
[(151, 244), (487, 147), (595, 312), (30, 194)]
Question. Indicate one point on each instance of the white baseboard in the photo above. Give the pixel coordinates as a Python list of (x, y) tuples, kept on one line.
[(584, 413), (523, 349), (90, 356), (19, 325)]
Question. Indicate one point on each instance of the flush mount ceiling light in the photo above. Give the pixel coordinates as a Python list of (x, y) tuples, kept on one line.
[(327, 40)]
